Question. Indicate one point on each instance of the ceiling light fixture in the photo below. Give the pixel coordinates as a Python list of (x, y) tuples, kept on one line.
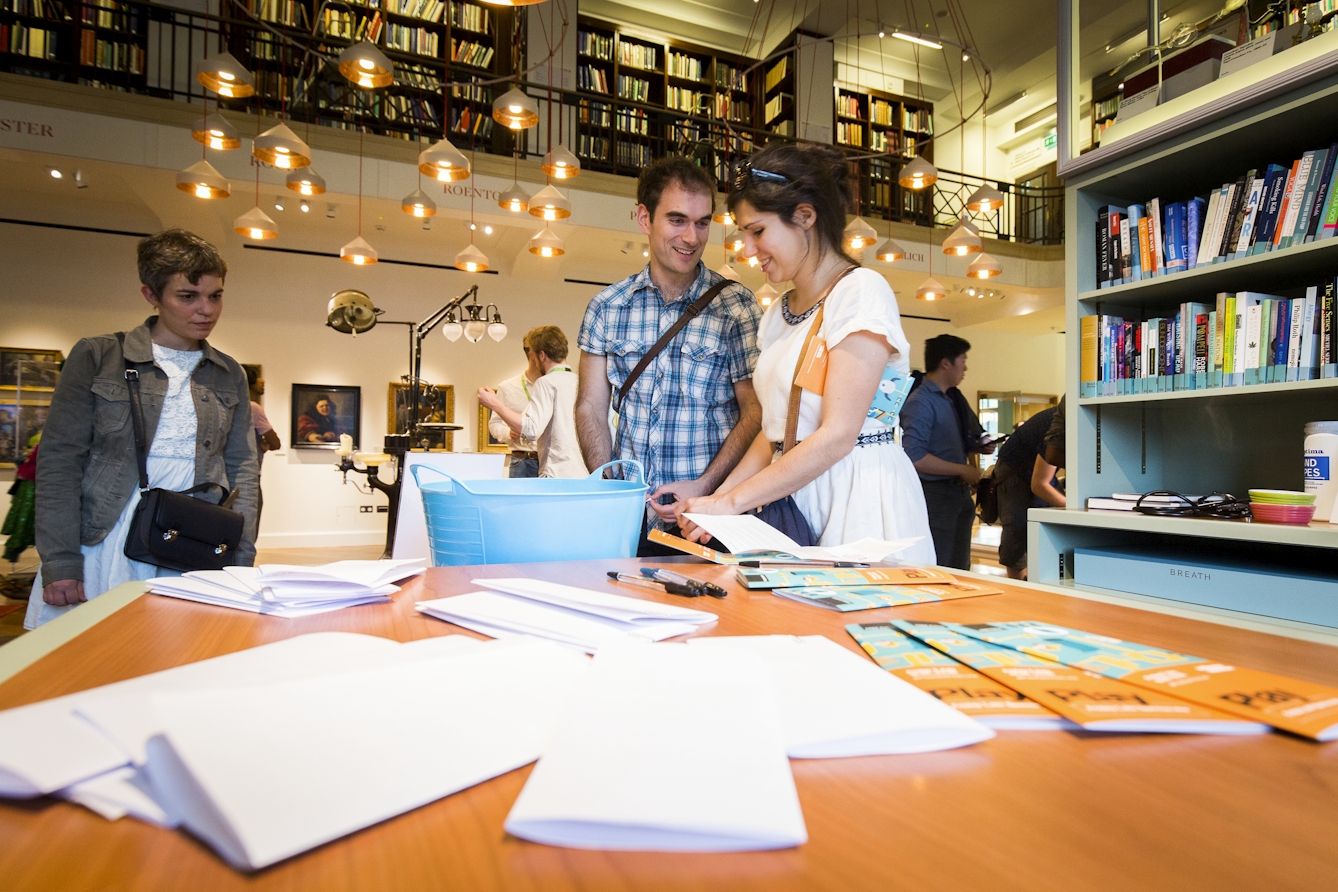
[(417, 204), (306, 182), (961, 241), (984, 267), (550, 204), (202, 181), (358, 252), (515, 110), (55, 174), (915, 38), (365, 66), (514, 199), (546, 243), (722, 214), (734, 241), (281, 147), (255, 224), (561, 164), (444, 162), (728, 271), (215, 132), (889, 252), (766, 294), (917, 174), (227, 77), (859, 234), (930, 290), (471, 260), (304, 207)]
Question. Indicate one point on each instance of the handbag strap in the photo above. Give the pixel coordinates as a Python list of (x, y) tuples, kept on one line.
[(792, 415), (136, 416), (692, 312)]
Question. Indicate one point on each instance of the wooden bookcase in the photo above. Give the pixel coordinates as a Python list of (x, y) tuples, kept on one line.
[(874, 121), (1195, 441), (102, 43)]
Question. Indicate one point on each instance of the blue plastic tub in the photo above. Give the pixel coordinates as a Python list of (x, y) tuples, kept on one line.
[(519, 520)]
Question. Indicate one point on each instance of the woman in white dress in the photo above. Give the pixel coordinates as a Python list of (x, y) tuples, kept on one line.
[(196, 412), (848, 476)]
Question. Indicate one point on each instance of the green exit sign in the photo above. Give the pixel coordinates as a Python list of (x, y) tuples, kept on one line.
[(1049, 141)]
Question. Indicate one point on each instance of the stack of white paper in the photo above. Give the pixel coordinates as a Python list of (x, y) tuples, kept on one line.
[(281, 590), (665, 748), (833, 703), (264, 773), (572, 616), (743, 533)]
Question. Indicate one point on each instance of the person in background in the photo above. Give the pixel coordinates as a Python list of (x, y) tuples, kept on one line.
[(1021, 465), (847, 475), (318, 423), (195, 410), (940, 431), (514, 393), (267, 439), (550, 418), (1054, 437), (692, 414)]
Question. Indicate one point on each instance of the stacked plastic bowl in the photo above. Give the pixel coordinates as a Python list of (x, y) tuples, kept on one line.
[(1282, 506)]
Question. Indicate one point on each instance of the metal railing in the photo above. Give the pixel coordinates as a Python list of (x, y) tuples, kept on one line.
[(148, 48)]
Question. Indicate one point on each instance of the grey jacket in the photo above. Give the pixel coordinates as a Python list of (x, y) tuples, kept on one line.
[(86, 467)]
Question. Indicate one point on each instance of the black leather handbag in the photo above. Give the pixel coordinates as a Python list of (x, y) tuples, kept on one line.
[(171, 529)]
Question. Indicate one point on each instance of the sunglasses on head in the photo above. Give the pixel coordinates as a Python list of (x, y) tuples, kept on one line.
[(746, 171)]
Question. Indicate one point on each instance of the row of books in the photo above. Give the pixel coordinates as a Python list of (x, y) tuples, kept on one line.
[(882, 112), (776, 106), (263, 45), (598, 45), (467, 52), (682, 99), (42, 9), (634, 121), (849, 134), (112, 55), (470, 92), (407, 109), (727, 77), (684, 66), (849, 105), (732, 109), (686, 132), (1262, 211), (595, 114), (634, 89), (418, 76), (1244, 338), (112, 15), (427, 10), (471, 121), (596, 147), (919, 120), (471, 17), (36, 43), (777, 72), (631, 154), (1106, 108), (338, 23), (412, 40), (292, 13), (588, 77), (638, 55)]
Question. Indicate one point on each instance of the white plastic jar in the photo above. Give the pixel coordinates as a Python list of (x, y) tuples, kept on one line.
[(1321, 465)]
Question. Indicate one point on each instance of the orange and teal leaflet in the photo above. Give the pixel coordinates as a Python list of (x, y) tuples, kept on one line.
[(1301, 707), (795, 577), (847, 598), (961, 687), (1093, 701)]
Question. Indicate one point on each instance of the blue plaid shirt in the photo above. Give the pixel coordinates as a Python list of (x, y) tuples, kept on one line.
[(681, 409)]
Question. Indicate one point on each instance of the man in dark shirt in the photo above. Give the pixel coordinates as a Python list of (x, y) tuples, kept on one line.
[(1023, 480), (934, 439)]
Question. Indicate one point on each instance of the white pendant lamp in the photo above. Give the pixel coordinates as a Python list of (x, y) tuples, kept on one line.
[(255, 224), (961, 241), (281, 147), (734, 241), (216, 133), (722, 214), (202, 181), (917, 174), (515, 110), (889, 252), (306, 182), (417, 204), (985, 200), (550, 204), (516, 200), (728, 271), (452, 329), (227, 77), (366, 66), (547, 243), (931, 290), (475, 326), (358, 252), (766, 295), (859, 234), (444, 162), (561, 164), (471, 260), (984, 267)]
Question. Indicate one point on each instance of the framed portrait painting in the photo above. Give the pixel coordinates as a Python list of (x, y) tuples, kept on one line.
[(322, 412), (436, 405)]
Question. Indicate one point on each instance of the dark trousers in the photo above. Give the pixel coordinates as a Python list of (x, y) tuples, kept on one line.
[(523, 467), (952, 511), (1015, 498)]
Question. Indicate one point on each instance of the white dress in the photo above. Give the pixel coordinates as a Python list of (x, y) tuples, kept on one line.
[(874, 491), (171, 465)]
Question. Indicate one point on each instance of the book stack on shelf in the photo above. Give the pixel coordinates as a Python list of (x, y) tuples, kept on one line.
[(114, 37), (851, 118), (778, 106), (24, 31), (289, 13)]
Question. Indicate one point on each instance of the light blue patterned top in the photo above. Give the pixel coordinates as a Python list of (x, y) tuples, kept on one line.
[(175, 437)]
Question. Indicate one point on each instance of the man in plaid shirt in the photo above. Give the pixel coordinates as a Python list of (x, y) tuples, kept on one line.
[(693, 413)]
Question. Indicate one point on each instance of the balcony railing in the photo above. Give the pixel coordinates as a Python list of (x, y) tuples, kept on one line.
[(151, 49)]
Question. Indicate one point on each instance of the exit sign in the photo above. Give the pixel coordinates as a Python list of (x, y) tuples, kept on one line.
[(1049, 141)]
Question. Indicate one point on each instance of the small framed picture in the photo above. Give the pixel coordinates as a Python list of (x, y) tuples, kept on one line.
[(436, 405), (487, 442), (29, 369), (321, 412)]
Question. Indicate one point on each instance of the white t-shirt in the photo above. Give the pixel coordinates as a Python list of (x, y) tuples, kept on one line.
[(550, 420)]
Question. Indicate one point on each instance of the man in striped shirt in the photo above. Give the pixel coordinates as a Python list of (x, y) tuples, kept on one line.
[(692, 414)]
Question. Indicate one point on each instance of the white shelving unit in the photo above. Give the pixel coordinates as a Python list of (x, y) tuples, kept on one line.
[(1196, 441)]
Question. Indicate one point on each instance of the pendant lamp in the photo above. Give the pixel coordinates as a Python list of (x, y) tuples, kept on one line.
[(513, 2), (984, 267), (728, 271), (734, 241), (515, 110), (561, 164), (722, 214), (930, 290), (889, 252), (444, 162), (452, 329), (859, 234), (514, 199), (306, 182), (202, 181), (985, 200), (766, 294), (550, 204), (227, 77), (546, 243), (417, 204), (471, 260), (961, 241), (496, 328), (917, 174), (475, 326), (366, 66), (281, 147), (215, 132), (255, 224), (358, 252)]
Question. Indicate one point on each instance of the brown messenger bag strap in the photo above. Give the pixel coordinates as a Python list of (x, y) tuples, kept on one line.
[(692, 312), (792, 416)]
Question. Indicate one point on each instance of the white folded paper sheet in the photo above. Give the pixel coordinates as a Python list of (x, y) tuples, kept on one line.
[(281, 590), (264, 773), (500, 615), (833, 703), (743, 533), (665, 748), (606, 604), (365, 573), (118, 793)]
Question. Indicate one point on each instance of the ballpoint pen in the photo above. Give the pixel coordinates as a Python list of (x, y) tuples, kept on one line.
[(672, 588), (701, 586)]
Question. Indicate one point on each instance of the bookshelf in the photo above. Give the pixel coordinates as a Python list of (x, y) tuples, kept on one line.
[(778, 96), (98, 42), (882, 122), (1227, 439)]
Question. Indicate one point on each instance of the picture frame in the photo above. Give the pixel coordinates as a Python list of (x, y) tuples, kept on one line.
[(436, 404), (486, 441), (30, 368), (27, 383), (313, 429)]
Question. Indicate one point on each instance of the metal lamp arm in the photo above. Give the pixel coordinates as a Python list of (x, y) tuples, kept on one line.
[(425, 327)]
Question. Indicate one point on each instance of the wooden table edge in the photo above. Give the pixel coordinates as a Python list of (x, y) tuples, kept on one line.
[(32, 646)]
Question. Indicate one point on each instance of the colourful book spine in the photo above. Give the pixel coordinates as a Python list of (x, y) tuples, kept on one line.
[(1275, 181), (1251, 215), (1322, 192), (1158, 243), (1087, 352), (1208, 223), (1137, 214), (1285, 206), (1194, 211), (1297, 196), (1176, 238)]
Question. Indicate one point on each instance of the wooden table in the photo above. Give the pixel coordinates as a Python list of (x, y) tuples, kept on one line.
[(1027, 810)]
